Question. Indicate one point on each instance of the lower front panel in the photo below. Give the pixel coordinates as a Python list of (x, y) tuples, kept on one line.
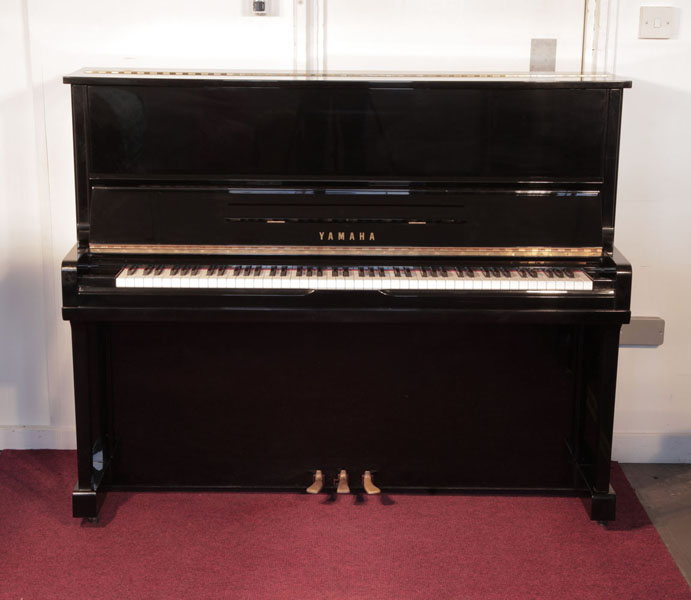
[(264, 405)]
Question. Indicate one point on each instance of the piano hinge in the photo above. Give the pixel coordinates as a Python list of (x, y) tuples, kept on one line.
[(343, 250)]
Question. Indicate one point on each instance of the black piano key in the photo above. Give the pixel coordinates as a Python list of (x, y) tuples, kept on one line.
[(346, 272), (334, 272), (159, 269), (248, 270), (397, 271), (185, 270), (569, 273), (523, 272), (309, 271), (443, 272), (272, 272), (299, 272), (505, 272), (485, 271), (320, 272), (532, 272), (382, 272), (237, 271), (258, 271), (361, 271), (423, 272), (284, 271), (459, 271), (470, 272), (495, 272), (211, 271), (559, 273), (132, 269), (408, 272), (175, 269), (370, 270), (549, 273), (148, 269), (221, 271), (194, 270)]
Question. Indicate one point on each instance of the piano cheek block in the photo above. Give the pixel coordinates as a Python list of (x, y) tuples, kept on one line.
[(385, 287)]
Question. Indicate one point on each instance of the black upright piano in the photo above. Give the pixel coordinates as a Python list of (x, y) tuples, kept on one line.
[(351, 282)]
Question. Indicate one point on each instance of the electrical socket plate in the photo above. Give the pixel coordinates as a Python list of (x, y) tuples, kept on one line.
[(271, 9), (657, 22)]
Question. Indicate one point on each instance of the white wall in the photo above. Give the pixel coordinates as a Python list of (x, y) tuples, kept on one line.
[(653, 418), (37, 221), (449, 35), (46, 40), (23, 377)]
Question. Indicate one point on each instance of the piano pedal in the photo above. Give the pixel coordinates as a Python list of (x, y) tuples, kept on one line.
[(317, 484), (370, 488), (343, 487)]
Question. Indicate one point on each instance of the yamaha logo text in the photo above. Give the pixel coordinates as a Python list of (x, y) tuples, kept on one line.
[(346, 236)]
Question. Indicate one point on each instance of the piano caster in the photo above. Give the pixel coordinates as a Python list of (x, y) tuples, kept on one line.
[(367, 484), (343, 487), (318, 483)]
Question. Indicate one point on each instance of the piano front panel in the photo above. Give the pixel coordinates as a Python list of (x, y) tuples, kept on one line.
[(265, 404), (349, 130)]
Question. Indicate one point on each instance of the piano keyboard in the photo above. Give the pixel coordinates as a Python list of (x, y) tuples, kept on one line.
[(284, 277)]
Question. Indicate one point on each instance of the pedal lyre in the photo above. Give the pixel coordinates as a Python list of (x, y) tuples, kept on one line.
[(318, 483), (343, 487), (370, 488)]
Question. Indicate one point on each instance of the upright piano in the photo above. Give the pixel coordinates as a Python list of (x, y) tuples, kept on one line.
[(403, 283)]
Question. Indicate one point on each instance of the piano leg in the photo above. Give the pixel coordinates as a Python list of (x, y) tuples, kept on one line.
[(592, 443), (93, 453)]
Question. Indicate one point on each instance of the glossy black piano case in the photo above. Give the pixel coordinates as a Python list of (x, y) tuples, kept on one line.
[(440, 392)]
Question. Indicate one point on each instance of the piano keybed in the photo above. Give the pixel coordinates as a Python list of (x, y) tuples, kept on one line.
[(355, 278)]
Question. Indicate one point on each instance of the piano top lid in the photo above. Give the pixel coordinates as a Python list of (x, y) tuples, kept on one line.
[(194, 77)]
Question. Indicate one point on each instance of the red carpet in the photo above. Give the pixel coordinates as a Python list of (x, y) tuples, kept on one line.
[(273, 546)]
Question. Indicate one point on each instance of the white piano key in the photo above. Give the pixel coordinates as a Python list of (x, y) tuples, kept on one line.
[(138, 278)]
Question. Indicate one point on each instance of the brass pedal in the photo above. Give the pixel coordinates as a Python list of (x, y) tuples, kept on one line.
[(343, 487), (318, 483), (370, 488)]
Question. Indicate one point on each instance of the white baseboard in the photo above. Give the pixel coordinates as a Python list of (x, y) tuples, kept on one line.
[(652, 447), (627, 447), (37, 438)]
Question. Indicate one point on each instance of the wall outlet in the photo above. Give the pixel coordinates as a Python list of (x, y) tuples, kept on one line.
[(260, 8), (657, 22)]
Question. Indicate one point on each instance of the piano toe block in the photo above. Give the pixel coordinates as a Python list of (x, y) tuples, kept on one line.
[(603, 506)]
